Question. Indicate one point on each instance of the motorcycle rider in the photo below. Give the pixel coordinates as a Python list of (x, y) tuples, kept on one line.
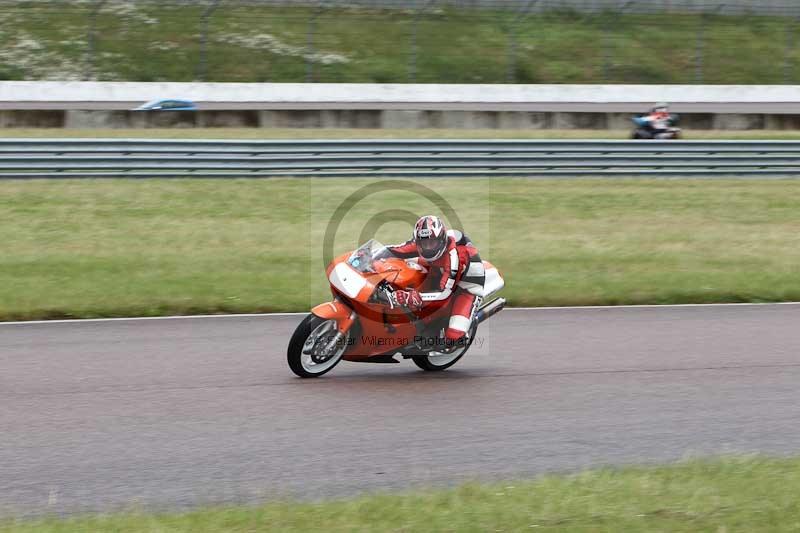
[(455, 273), (659, 120)]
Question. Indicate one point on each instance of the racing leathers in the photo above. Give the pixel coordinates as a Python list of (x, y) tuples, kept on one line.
[(658, 121), (456, 278)]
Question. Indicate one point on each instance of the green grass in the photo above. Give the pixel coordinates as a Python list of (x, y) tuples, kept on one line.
[(149, 41), (734, 494), (89, 248), (355, 133)]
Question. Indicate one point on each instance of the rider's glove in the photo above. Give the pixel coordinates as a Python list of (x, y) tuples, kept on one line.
[(410, 299)]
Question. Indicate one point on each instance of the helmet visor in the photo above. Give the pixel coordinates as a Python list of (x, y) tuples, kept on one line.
[(430, 248)]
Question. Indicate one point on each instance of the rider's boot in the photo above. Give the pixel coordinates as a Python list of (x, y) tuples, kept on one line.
[(450, 343)]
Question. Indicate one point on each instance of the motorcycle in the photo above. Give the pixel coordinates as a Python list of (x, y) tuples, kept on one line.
[(364, 324), (645, 130)]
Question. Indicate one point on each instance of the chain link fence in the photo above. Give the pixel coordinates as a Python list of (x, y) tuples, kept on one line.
[(425, 41), (764, 7)]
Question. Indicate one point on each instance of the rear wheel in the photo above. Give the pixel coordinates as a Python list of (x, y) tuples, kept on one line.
[(316, 347), (436, 361)]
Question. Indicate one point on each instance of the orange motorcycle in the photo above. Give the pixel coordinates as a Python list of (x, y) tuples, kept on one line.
[(363, 324)]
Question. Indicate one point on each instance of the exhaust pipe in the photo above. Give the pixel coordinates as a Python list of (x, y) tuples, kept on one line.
[(490, 309)]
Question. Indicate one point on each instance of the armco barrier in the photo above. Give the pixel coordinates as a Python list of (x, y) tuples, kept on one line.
[(88, 158)]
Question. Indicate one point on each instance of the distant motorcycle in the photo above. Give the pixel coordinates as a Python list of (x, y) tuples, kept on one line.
[(660, 128)]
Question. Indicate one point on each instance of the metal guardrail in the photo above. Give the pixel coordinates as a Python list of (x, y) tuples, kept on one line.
[(144, 158)]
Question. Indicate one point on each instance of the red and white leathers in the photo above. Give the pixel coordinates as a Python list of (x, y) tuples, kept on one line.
[(453, 278), (659, 120)]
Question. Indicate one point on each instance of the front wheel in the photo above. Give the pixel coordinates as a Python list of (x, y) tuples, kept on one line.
[(436, 361), (316, 347)]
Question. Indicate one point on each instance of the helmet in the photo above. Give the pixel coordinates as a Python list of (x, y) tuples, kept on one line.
[(661, 107), (430, 236)]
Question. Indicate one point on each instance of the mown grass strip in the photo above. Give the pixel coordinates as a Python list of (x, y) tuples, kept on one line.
[(733, 494), (105, 248)]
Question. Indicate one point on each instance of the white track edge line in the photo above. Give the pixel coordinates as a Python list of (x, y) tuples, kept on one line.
[(267, 315), (648, 306), (138, 318)]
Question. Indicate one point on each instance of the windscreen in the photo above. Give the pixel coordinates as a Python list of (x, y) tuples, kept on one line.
[(362, 259)]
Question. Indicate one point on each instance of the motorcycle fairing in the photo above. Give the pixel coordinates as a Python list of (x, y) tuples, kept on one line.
[(338, 311), (374, 330)]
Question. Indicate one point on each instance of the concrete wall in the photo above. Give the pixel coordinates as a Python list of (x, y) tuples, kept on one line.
[(411, 106), (218, 96), (375, 118)]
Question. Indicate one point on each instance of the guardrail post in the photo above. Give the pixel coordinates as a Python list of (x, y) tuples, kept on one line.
[(513, 31), (310, 33), (90, 39), (202, 65), (413, 49)]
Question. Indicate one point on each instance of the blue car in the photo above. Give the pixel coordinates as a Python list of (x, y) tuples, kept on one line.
[(167, 105)]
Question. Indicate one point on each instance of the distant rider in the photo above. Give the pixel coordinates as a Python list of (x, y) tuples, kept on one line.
[(659, 120), (455, 274)]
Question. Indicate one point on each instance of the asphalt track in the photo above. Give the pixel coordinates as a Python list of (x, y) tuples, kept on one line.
[(181, 412)]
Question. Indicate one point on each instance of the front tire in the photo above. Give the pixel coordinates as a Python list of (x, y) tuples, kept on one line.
[(435, 362), (307, 354)]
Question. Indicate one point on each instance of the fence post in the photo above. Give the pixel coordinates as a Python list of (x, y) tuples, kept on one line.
[(90, 39), (412, 60), (310, 33), (513, 29), (701, 37), (788, 64), (202, 65), (607, 40)]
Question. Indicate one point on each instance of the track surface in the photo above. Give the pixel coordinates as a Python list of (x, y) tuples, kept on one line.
[(174, 413)]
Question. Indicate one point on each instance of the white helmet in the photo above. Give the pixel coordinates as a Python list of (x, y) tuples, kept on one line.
[(430, 236)]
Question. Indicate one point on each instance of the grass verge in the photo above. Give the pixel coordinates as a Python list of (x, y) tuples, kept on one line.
[(160, 41), (734, 494), (96, 248)]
